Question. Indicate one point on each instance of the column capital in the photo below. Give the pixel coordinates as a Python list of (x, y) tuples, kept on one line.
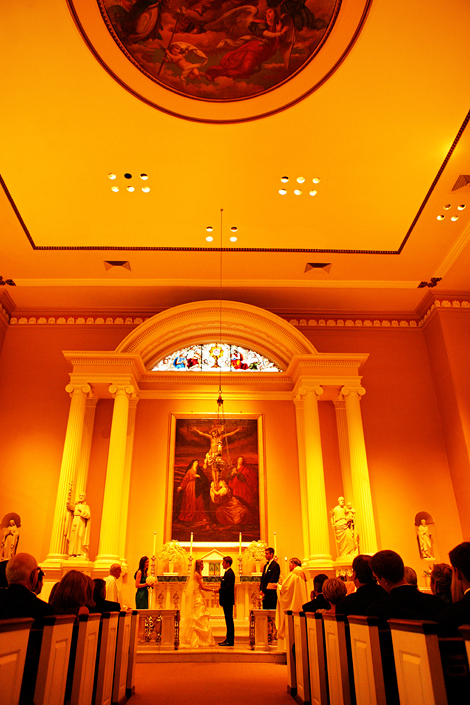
[(346, 391), (74, 389), (122, 389), (304, 391)]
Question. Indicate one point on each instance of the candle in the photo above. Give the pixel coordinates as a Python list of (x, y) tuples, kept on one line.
[(285, 559), (275, 544), (240, 545), (154, 542), (191, 545)]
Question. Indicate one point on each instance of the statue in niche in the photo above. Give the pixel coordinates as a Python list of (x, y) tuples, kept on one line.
[(343, 523), (10, 541), (78, 533), (425, 540)]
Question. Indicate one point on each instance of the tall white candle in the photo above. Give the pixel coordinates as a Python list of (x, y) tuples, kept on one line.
[(285, 559), (240, 545), (275, 544), (154, 542), (191, 545)]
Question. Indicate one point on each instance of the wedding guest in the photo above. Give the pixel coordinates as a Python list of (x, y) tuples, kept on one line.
[(441, 580), (410, 576), (457, 614), (40, 583), (19, 599), (113, 591), (367, 590), (142, 594), (99, 598), (73, 594), (317, 600), (334, 590)]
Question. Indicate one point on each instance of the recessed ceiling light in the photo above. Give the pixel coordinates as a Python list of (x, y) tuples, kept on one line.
[(115, 189), (316, 180), (209, 238), (440, 217), (282, 191), (298, 192), (111, 176), (455, 217), (447, 206), (145, 189), (461, 207), (233, 239), (313, 193), (130, 188), (284, 179), (209, 228), (300, 179), (144, 177), (234, 228)]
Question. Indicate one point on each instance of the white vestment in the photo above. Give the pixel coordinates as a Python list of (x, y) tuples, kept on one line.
[(291, 595)]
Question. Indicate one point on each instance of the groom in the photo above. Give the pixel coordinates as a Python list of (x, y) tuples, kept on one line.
[(227, 600)]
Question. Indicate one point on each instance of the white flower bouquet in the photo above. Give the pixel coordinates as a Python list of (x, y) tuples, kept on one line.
[(151, 580)]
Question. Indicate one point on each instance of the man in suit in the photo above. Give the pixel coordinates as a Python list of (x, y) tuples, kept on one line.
[(318, 601), (453, 616), (19, 600), (403, 601), (271, 573), (367, 590), (227, 600)]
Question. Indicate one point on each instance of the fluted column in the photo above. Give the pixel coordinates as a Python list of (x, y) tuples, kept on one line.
[(127, 478), (300, 425), (359, 470), (68, 468), (343, 445), (87, 437), (111, 515), (315, 479)]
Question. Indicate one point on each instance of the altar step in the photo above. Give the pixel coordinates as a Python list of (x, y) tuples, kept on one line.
[(217, 654)]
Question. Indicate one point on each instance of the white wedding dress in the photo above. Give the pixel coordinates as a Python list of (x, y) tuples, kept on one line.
[(196, 630)]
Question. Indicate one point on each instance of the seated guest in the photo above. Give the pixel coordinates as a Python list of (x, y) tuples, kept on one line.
[(40, 584), (99, 598), (19, 599), (113, 592), (453, 616), (317, 601), (334, 590), (403, 601), (441, 580), (73, 594), (367, 590), (410, 576)]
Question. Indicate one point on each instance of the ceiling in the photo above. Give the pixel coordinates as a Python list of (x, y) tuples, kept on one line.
[(386, 134)]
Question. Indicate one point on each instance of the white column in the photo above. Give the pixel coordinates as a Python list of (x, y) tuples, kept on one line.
[(127, 478), (315, 479), (87, 437), (111, 515), (300, 425), (68, 469), (359, 470), (343, 445)]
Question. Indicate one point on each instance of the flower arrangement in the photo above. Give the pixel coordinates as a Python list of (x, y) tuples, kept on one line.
[(255, 551), (151, 580), (172, 551)]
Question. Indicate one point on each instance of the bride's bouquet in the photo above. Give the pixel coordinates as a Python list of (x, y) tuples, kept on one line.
[(151, 580)]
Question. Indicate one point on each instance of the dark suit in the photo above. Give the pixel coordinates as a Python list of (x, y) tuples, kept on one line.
[(227, 601), (318, 603), (406, 602), (271, 573), (18, 601), (454, 616), (359, 601), (102, 606)]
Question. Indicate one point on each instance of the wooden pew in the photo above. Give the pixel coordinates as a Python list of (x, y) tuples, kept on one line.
[(290, 653), (418, 662), (301, 659), (316, 659), (465, 631), (340, 675), (14, 635), (104, 676), (134, 635), (122, 658), (82, 667)]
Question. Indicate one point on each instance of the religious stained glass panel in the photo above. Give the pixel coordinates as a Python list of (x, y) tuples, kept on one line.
[(219, 358)]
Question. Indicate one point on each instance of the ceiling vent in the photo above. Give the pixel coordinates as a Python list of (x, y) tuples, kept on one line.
[(326, 266), (462, 181), (117, 263)]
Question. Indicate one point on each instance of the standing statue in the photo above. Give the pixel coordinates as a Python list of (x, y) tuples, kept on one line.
[(10, 541), (424, 539), (78, 534), (342, 521)]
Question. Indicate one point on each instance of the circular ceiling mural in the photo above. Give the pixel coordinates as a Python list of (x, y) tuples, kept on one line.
[(220, 60)]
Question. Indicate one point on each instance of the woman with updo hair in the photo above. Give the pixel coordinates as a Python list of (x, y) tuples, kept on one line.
[(334, 590), (441, 580)]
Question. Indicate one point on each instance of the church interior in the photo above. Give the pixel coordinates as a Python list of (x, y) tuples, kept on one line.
[(357, 288)]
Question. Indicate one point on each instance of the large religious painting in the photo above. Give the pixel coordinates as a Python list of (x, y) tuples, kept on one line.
[(216, 480), (220, 50)]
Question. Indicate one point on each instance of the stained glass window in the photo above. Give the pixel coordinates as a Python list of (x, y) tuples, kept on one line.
[(212, 356)]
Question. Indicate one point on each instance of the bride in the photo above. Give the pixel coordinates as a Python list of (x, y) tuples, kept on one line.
[(196, 631)]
